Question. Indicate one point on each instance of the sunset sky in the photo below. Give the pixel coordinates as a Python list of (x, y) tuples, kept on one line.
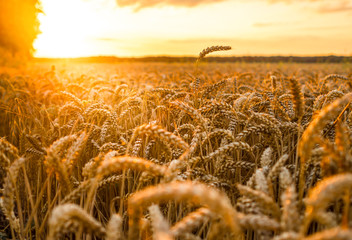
[(77, 28)]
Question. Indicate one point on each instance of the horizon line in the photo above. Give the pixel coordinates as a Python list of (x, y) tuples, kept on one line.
[(196, 56)]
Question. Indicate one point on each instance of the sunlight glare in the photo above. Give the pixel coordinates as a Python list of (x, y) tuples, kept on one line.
[(68, 29)]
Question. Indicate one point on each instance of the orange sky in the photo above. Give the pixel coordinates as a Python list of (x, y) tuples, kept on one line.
[(76, 28)]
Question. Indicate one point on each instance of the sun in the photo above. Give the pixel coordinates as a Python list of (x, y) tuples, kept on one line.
[(68, 29)]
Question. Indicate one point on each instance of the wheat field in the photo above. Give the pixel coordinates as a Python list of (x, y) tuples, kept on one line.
[(176, 151)]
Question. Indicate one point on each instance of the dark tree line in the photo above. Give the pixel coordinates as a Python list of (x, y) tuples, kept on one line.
[(247, 59)]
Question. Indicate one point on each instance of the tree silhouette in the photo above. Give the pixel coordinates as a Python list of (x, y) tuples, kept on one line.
[(19, 27)]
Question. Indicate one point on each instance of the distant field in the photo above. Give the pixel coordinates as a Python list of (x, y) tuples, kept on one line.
[(176, 151)]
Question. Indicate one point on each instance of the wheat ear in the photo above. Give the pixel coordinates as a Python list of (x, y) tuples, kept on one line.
[(211, 49), (307, 142), (54, 163), (329, 189), (9, 193), (288, 236), (298, 99), (262, 199), (68, 217), (114, 228), (110, 165), (161, 228), (196, 193), (331, 234), (191, 221), (257, 222), (290, 213), (157, 131)]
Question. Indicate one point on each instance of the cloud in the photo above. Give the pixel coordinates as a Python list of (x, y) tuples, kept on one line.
[(139, 4), (342, 6), (273, 24), (264, 24), (289, 1), (321, 6)]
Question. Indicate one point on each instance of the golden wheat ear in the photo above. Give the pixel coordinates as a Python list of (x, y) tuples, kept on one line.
[(114, 229), (160, 226), (67, 218), (307, 142), (10, 188), (298, 99), (211, 49), (192, 221), (111, 165), (195, 193)]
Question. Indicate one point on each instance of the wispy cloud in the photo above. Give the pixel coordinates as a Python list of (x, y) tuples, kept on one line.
[(291, 1), (264, 24), (139, 4), (321, 6), (273, 24), (338, 6), (328, 27)]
